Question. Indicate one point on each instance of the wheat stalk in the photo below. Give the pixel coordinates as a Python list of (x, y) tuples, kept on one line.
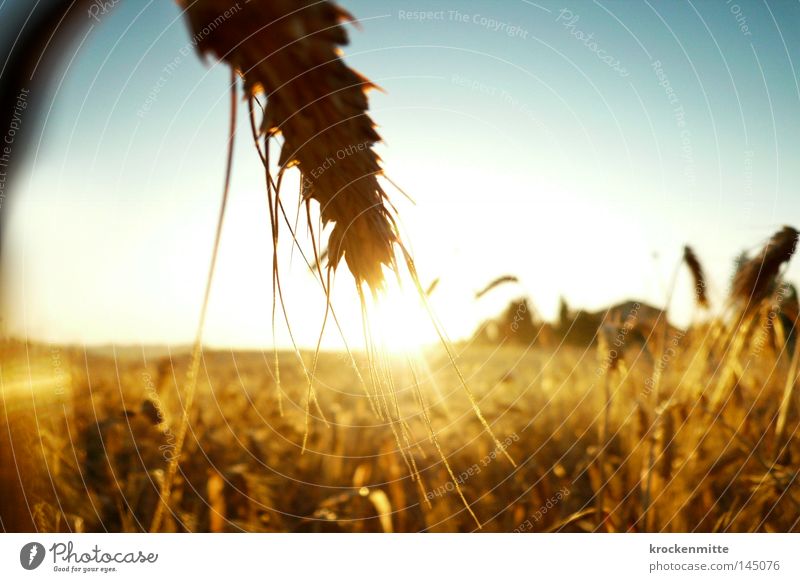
[(753, 283), (197, 348), (289, 51), (696, 270), (496, 283), (756, 277)]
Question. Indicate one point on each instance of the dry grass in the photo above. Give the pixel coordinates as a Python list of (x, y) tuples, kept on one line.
[(581, 429)]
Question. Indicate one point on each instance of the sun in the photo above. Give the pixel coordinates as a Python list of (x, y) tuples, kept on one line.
[(400, 322)]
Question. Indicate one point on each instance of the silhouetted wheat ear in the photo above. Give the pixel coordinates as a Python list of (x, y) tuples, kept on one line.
[(696, 269), (289, 51), (755, 279), (496, 283)]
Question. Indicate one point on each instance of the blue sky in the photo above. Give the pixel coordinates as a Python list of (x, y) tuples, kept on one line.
[(525, 151)]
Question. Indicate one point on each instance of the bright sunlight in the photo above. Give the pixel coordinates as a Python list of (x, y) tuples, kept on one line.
[(400, 322)]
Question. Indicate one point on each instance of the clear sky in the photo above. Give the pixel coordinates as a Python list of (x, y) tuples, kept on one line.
[(577, 145)]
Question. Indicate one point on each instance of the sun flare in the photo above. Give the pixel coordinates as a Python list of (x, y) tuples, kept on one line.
[(400, 322)]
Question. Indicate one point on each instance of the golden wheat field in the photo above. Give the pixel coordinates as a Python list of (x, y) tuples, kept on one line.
[(595, 447)]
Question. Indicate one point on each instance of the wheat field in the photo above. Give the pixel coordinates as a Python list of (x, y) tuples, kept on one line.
[(596, 445)]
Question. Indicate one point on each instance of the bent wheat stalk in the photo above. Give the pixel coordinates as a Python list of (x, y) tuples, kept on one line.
[(289, 50)]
